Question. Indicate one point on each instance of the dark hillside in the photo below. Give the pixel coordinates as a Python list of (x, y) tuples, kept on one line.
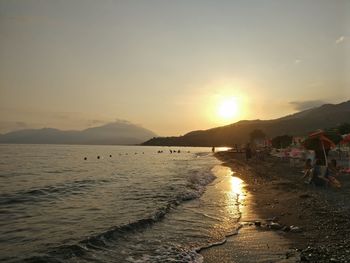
[(325, 116)]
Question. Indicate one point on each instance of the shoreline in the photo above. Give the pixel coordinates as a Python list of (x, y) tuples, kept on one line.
[(309, 224)]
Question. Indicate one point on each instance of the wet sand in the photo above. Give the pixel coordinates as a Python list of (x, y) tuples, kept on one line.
[(277, 198)]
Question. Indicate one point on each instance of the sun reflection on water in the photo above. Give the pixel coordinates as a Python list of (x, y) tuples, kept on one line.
[(228, 198), (237, 187), (235, 194)]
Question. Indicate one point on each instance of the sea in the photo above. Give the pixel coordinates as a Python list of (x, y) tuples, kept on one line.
[(64, 203)]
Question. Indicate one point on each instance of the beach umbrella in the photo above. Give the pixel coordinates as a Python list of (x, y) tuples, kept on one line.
[(325, 142), (346, 140)]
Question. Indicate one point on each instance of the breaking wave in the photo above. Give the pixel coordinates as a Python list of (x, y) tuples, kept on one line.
[(195, 187)]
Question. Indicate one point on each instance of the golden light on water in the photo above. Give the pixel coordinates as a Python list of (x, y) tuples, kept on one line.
[(222, 149), (237, 187), (235, 194)]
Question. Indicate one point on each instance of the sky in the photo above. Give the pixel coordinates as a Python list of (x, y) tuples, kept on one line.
[(168, 65)]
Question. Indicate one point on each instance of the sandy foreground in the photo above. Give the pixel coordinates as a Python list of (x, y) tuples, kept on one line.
[(284, 219)]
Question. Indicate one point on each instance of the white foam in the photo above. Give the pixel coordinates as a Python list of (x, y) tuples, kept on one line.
[(169, 254), (196, 184)]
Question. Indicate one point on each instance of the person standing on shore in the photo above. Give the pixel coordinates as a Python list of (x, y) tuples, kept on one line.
[(318, 178), (308, 171), (248, 152), (331, 174)]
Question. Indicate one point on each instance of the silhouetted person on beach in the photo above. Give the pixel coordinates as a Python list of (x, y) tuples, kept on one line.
[(333, 169), (331, 174), (318, 177), (320, 155), (248, 152), (308, 170)]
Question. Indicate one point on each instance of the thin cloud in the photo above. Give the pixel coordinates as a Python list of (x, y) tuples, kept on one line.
[(297, 61), (122, 121), (21, 124), (316, 84), (307, 104), (95, 122), (29, 19), (8, 126), (340, 40)]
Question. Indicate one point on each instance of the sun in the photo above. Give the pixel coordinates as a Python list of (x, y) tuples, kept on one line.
[(228, 109)]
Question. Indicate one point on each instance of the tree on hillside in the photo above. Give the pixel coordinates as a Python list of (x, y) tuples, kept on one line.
[(282, 141), (257, 135), (333, 135), (316, 144), (344, 128)]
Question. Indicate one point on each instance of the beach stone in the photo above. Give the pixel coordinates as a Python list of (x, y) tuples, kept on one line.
[(286, 229), (295, 229), (303, 258), (272, 218), (257, 223), (274, 226), (305, 196)]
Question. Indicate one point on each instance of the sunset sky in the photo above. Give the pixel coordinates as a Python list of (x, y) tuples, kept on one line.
[(168, 65)]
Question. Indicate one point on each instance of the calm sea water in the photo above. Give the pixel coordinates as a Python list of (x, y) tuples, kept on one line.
[(131, 205)]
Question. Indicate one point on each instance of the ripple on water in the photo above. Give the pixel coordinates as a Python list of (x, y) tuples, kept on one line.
[(140, 209)]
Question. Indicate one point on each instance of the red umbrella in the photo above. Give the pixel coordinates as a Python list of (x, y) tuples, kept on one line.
[(316, 133), (346, 139), (325, 142)]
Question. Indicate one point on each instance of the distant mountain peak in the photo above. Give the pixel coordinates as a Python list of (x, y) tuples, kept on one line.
[(118, 132)]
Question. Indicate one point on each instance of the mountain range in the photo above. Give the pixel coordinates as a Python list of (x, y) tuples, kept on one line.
[(298, 124), (115, 133), (126, 133)]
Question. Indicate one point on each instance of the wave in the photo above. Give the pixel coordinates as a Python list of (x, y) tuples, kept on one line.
[(48, 192), (26, 173), (194, 189), (65, 170), (169, 254), (197, 182), (221, 242), (201, 154), (101, 241), (14, 174)]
